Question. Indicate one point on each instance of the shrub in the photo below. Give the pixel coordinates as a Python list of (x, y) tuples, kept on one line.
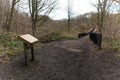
[(54, 36), (115, 45), (9, 44)]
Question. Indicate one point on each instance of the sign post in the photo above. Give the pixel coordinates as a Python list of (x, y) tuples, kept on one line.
[(28, 42)]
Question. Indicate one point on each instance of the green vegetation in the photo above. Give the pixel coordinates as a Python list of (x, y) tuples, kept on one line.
[(112, 43), (115, 45), (9, 44), (55, 36)]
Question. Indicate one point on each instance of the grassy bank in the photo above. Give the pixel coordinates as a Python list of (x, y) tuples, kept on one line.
[(9, 44)]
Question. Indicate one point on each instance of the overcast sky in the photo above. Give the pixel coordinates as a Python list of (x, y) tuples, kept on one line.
[(79, 7)]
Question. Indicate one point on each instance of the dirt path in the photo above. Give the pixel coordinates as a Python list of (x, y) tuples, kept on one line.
[(65, 60)]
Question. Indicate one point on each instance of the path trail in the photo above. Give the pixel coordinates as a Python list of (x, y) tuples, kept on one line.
[(65, 60)]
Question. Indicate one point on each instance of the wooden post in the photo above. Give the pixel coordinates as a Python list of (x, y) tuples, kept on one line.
[(32, 53), (25, 53)]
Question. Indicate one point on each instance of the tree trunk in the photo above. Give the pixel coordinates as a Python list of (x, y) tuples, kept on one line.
[(11, 16), (68, 24), (33, 28)]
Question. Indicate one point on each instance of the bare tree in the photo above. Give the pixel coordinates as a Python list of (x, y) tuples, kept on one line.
[(102, 7), (37, 7), (4, 4), (69, 14), (1, 13), (14, 2)]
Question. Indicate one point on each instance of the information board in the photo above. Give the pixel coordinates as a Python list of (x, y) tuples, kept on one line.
[(28, 38)]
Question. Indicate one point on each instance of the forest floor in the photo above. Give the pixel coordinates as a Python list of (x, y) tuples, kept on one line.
[(76, 59)]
